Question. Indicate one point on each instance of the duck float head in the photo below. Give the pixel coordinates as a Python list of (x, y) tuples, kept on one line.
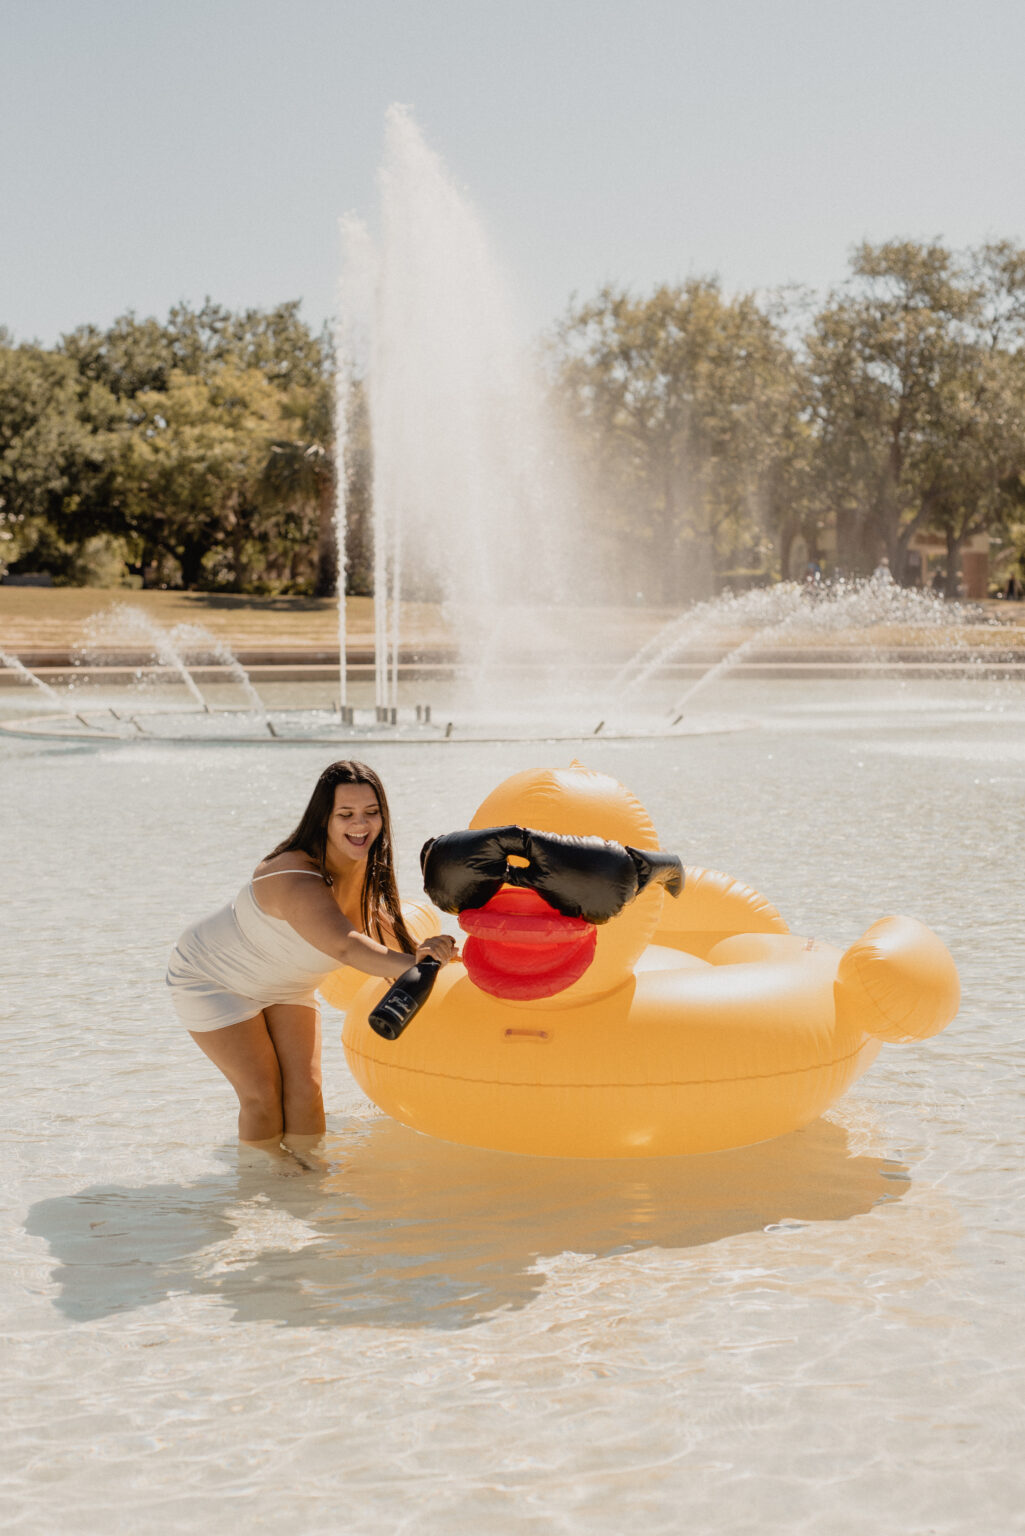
[(594, 1017), (559, 884)]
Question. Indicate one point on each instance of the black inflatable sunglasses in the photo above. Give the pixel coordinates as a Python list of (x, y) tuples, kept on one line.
[(584, 877)]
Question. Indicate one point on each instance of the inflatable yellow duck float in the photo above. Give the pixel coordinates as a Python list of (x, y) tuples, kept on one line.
[(612, 1004)]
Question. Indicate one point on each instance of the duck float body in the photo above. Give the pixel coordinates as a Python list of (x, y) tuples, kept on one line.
[(681, 1023)]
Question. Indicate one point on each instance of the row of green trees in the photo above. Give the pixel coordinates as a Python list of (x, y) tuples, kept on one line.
[(194, 453), (722, 429), (710, 433)]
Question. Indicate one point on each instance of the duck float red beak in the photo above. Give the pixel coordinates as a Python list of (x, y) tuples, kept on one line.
[(531, 900)]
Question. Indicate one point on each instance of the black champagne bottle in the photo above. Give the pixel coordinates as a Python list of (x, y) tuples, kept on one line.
[(404, 999)]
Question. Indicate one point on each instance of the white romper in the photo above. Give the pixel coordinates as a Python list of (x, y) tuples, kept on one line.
[(230, 965)]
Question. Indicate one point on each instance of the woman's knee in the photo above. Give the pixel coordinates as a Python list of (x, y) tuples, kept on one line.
[(261, 1117), (262, 1099), (302, 1092)]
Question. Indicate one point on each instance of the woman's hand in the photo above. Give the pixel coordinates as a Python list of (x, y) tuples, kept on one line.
[(440, 947)]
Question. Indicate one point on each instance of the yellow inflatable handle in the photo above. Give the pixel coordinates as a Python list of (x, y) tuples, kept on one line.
[(713, 907)]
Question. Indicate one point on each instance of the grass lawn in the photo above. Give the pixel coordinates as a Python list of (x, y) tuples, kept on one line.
[(37, 618), (40, 617)]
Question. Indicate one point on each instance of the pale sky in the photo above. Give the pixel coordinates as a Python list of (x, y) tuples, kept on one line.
[(156, 150)]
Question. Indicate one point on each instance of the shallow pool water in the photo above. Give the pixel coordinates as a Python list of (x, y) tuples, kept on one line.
[(820, 1334)]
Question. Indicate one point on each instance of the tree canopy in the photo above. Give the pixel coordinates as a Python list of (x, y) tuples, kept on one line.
[(686, 400), (708, 433), (196, 452), (918, 390), (723, 428)]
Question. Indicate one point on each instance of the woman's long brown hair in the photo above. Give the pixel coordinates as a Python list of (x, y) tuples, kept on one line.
[(380, 893)]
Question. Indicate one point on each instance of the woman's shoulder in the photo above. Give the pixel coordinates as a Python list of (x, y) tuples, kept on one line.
[(294, 862), (285, 897)]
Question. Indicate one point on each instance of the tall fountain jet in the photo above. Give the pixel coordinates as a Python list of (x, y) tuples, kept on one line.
[(467, 506)]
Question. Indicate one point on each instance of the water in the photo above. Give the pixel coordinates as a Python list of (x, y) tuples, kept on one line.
[(198, 643), (858, 616), (42, 688), (472, 504), (116, 713), (856, 624), (819, 1334), (123, 624)]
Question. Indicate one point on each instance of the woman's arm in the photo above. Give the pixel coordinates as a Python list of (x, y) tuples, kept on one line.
[(308, 906)]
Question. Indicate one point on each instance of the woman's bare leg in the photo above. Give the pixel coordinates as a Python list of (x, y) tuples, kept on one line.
[(245, 1053), (295, 1033)]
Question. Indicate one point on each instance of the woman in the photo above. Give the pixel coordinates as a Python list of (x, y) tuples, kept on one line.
[(243, 980)]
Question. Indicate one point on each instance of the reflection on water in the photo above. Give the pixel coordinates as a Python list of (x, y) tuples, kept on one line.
[(399, 1230)]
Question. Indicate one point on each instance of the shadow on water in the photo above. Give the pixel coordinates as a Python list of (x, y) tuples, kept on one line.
[(394, 1229)]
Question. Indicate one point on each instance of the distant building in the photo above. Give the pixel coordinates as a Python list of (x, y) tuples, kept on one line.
[(930, 554), (927, 559)]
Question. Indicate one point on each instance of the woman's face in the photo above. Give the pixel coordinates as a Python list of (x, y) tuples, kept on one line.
[(354, 824)]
